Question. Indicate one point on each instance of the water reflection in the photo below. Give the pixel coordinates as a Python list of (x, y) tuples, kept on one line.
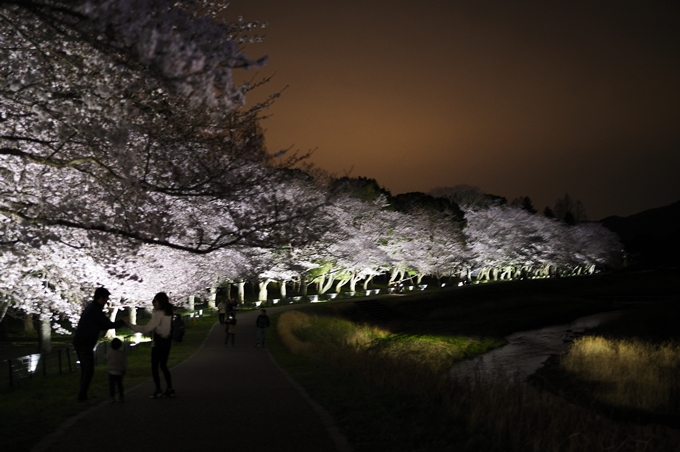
[(526, 351)]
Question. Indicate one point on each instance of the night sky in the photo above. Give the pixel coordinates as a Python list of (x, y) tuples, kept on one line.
[(536, 98)]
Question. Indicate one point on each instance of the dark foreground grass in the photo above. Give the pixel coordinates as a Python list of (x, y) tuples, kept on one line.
[(386, 399), (392, 404), (372, 416), (37, 407)]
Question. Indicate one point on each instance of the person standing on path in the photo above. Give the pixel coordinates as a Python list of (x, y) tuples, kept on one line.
[(160, 326), (262, 323), (117, 365), (222, 309), (92, 322), (232, 306), (231, 329)]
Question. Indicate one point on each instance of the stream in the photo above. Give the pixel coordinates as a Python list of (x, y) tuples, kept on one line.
[(526, 351)]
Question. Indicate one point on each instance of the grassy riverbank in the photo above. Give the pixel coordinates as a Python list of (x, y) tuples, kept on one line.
[(389, 389), (38, 406), (628, 369)]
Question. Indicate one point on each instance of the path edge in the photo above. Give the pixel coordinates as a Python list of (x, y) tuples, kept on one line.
[(339, 439)]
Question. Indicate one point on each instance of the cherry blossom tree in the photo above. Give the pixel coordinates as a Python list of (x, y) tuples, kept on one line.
[(441, 251), (434, 239), (123, 118), (121, 130), (598, 247), (358, 255), (509, 242), (506, 241), (371, 238), (47, 282), (354, 251)]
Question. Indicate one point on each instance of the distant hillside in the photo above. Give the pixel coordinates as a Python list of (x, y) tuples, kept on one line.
[(651, 238)]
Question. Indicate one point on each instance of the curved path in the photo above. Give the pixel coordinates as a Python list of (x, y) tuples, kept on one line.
[(231, 398)]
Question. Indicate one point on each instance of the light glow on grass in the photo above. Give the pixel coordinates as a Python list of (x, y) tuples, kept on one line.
[(367, 345), (631, 373), (404, 374)]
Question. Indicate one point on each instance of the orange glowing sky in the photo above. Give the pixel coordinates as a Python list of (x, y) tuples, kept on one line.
[(517, 98)]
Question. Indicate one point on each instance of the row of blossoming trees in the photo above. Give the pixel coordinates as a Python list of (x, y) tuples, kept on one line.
[(128, 159), (415, 235)]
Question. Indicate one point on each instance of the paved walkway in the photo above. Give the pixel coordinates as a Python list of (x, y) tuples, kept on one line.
[(236, 399)]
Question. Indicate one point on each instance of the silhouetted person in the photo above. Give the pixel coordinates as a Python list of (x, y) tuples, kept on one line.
[(232, 306), (92, 322), (117, 366), (231, 329), (222, 310), (262, 323), (160, 326)]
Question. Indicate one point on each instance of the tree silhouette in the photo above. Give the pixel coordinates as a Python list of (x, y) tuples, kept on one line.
[(468, 196), (569, 211), (524, 203)]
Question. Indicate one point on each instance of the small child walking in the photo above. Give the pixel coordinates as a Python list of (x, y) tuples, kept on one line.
[(231, 329), (116, 365)]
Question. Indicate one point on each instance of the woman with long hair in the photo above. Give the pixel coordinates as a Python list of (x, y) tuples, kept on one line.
[(160, 327)]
